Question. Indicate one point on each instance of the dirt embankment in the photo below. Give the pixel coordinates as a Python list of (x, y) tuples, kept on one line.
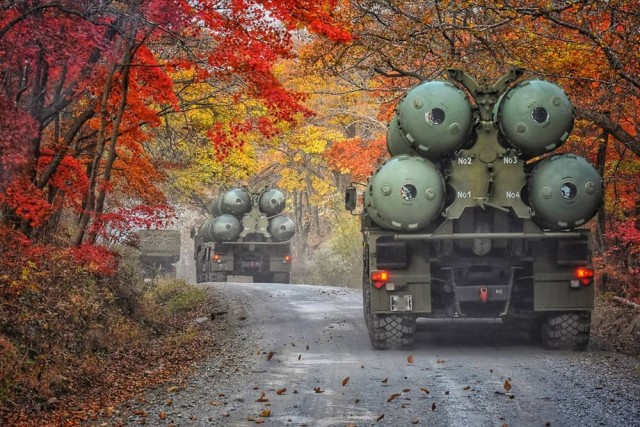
[(616, 326)]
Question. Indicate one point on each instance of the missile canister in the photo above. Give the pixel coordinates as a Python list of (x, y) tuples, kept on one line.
[(396, 145), (565, 191), (271, 202), (281, 228), (215, 207), (405, 193), (235, 202), (206, 229), (226, 228), (435, 118), (534, 117)]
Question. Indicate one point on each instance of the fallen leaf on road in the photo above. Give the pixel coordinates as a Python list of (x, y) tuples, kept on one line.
[(416, 421), (506, 385), (318, 390), (259, 421), (271, 353), (262, 398), (406, 390), (393, 396), (410, 359), (357, 401), (426, 390), (380, 417), (281, 391), (440, 361), (384, 381), (162, 415), (214, 403), (433, 406), (265, 413), (345, 381), (299, 356), (467, 387)]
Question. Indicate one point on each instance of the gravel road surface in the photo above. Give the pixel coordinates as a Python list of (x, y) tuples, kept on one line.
[(299, 355)]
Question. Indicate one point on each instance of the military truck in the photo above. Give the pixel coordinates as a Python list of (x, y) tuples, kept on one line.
[(476, 215), (159, 250), (245, 235)]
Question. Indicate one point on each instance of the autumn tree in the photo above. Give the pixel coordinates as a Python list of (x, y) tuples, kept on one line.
[(92, 111)]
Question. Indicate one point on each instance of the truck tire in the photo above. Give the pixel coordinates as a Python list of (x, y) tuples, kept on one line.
[(567, 330), (281, 277), (392, 331), (219, 276)]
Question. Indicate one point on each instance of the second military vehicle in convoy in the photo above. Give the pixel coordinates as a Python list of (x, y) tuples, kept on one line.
[(245, 235), (159, 251), (475, 216)]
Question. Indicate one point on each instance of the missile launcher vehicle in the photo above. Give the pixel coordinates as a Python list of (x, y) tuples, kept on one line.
[(476, 215), (245, 235), (159, 251)]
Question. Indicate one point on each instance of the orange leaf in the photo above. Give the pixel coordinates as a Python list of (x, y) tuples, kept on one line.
[(345, 381), (410, 359), (281, 391), (265, 413), (507, 385), (271, 353), (393, 396)]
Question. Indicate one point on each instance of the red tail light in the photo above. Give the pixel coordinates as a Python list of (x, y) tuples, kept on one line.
[(287, 259), (584, 275), (379, 278), (215, 257)]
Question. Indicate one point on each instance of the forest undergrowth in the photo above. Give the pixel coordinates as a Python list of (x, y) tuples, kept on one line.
[(75, 341)]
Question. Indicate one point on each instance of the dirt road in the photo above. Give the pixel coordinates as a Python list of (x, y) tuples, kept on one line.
[(299, 355)]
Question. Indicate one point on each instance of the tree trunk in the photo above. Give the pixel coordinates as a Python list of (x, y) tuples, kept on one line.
[(112, 153), (89, 202), (602, 215)]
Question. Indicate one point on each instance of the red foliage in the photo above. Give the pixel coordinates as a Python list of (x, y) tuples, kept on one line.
[(55, 57), (20, 251), (26, 201), (357, 157), (95, 259), (120, 225), (70, 177)]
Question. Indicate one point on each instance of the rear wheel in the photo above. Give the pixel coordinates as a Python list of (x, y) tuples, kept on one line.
[(392, 331), (219, 276), (281, 277), (566, 330)]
